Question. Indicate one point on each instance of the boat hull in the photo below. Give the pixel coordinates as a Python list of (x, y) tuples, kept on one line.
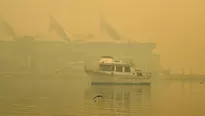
[(108, 79)]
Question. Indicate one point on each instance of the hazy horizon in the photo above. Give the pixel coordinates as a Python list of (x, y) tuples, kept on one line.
[(176, 26)]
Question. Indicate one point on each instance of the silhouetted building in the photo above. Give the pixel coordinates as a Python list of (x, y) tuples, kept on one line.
[(25, 54)]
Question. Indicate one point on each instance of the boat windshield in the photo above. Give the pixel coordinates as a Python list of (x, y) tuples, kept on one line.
[(127, 69), (104, 67)]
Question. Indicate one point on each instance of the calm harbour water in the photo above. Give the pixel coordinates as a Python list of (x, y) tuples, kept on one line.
[(73, 96)]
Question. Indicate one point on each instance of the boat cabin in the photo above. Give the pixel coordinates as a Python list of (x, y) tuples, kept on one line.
[(108, 63), (115, 67), (119, 68)]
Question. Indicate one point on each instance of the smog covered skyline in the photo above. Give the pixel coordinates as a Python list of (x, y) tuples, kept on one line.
[(176, 26)]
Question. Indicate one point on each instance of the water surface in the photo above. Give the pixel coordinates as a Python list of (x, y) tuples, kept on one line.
[(73, 96)]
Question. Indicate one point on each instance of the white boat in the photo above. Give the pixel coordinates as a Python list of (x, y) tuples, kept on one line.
[(116, 71)]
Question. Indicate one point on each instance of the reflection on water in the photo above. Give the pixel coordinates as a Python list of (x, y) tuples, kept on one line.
[(73, 96), (119, 100)]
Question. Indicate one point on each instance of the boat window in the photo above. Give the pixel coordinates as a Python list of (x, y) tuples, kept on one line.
[(139, 73), (127, 69), (118, 68), (106, 67)]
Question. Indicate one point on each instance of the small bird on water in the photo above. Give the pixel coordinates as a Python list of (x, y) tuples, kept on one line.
[(97, 96)]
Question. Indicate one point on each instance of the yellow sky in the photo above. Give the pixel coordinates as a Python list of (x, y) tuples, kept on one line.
[(177, 26)]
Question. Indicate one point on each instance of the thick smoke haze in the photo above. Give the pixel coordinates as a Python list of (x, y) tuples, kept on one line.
[(177, 26)]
